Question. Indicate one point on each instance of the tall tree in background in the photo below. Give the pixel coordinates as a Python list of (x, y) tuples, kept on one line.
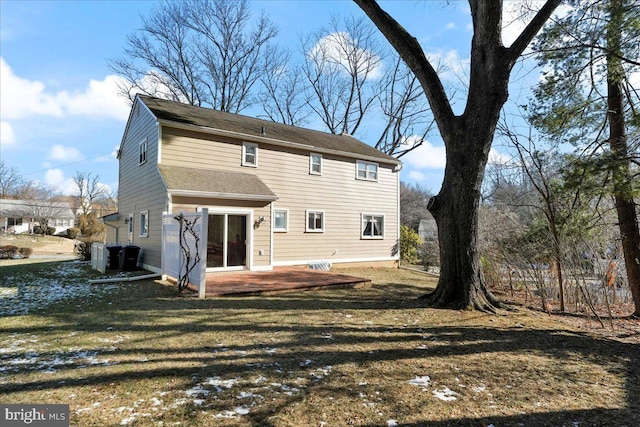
[(201, 52), (88, 191), (467, 139), (587, 100)]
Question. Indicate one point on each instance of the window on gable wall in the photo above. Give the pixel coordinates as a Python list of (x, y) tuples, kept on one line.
[(366, 170), (144, 224), (315, 164), (142, 152), (249, 154), (372, 226)]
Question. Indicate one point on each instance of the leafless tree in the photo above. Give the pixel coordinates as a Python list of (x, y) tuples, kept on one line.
[(405, 109), (88, 190), (342, 64), (467, 137), (46, 206), (11, 182), (201, 52)]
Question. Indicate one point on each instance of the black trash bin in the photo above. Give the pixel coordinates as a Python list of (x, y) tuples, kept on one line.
[(129, 258), (114, 256)]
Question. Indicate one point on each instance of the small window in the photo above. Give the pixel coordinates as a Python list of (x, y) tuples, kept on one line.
[(366, 170), (129, 221), (281, 220), (144, 224), (315, 221), (249, 154), (372, 226), (315, 164), (142, 150)]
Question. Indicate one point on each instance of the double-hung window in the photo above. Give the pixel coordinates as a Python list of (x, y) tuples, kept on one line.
[(366, 170), (372, 226), (249, 154), (142, 152), (315, 164), (315, 221), (281, 220), (144, 224)]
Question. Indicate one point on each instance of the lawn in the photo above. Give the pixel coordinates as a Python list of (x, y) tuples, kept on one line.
[(139, 354)]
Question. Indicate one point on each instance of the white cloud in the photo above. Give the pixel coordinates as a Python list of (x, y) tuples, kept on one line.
[(417, 176), (451, 26), (56, 179), (335, 50), (7, 136), (22, 98), (496, 157), (66, 154), (426, 156), (450, 66), (634, 79)]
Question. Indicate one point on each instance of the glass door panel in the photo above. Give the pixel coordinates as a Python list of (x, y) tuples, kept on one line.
[(236, 237), (215, 241)]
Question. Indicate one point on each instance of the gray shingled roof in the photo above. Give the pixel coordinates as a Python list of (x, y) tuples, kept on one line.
[(213, 182), (188, 114)]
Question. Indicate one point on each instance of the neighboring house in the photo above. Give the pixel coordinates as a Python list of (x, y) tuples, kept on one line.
[(21, 216), (277, 195), (428, 230)]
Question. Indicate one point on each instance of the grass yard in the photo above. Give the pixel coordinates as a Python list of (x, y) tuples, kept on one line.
[(139, 354)]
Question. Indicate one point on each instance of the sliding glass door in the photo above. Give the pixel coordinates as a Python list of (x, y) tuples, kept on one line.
[(227, 241)]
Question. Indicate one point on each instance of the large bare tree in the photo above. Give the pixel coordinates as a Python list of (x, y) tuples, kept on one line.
[(467, 139), (201, 52)]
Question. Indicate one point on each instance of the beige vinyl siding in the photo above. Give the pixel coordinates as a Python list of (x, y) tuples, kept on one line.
[(141, 187), (337, 192), (261, 234)]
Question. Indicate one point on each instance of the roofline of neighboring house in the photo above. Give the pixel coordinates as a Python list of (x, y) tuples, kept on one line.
[(277, 142), (232, 196)]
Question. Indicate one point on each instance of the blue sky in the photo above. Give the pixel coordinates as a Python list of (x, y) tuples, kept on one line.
[(59, 107)]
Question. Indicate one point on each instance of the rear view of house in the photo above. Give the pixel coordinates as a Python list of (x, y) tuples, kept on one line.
[(276, 195)]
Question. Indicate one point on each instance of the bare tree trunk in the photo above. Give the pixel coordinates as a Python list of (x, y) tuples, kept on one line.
[(625, 206)]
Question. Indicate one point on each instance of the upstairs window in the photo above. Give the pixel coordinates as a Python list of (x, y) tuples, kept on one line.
[(315, 222), (366, 170), (249, 154), (142, 152), (315, 164), (372, 226)]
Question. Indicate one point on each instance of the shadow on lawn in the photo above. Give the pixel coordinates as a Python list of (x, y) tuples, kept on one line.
[(306, 341)]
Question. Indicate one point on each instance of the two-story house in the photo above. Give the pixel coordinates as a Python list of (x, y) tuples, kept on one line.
[(277, 195)]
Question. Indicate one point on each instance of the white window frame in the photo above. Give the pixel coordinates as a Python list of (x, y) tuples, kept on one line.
[(367, 172), (286, 221), (143, 227), (130, 224), (364, 219), (246, 145), (142, 152), (314, 212), (311, 164)]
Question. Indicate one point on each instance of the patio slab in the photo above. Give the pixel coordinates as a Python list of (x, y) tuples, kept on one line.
[(281, 279)]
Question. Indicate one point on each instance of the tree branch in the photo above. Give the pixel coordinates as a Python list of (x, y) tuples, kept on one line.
[(527, 35), (411, 52)]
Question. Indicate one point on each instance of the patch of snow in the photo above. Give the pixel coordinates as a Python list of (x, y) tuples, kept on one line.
[(420, 381), (392, 423), (479, 389), (242, 410), (445, 394)]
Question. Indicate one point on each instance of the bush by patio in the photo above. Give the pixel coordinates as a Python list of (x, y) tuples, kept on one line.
[(11, 252)]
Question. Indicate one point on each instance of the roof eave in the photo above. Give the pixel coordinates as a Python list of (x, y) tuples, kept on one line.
[(227, 196)]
